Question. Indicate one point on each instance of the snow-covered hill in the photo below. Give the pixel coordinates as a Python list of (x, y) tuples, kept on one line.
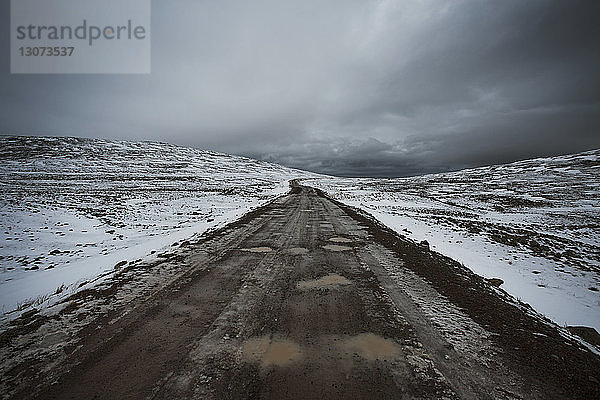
[(535, 224), (71, 209)]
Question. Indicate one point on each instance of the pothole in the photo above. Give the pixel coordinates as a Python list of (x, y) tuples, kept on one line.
[(336, 247), (297, 250), (268, 351), (340, 239), (331, 280), (258, 249), (371, 347)]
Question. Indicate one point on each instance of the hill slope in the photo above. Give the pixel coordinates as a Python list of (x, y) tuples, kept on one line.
[(72, 209), (535, 224)]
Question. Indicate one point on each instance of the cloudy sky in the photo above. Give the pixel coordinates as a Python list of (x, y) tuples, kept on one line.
[(349, 87)]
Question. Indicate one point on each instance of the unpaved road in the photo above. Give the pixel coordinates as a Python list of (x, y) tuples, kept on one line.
[(306, 299)]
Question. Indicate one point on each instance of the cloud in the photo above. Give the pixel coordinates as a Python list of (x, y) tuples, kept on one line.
[(385, 87)]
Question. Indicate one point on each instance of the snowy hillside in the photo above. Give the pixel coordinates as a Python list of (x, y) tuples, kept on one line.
[(72, 209), (535, 224)]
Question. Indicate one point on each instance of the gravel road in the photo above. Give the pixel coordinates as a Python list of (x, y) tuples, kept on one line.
[(308, 299)]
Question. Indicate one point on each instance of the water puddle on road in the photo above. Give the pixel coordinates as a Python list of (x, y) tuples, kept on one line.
[(297, 251), (258, 249), (371, 347), (336, 247), (278, 352), (340, 240), (331, 280), (269, 351)]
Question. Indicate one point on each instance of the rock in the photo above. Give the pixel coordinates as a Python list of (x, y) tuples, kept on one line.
[(588, 334), (425, 244), (496, 282)]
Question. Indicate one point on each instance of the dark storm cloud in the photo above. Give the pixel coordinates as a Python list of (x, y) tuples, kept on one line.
[(383, 88)]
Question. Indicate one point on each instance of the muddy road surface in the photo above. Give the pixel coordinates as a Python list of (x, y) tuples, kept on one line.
[(306, 298)]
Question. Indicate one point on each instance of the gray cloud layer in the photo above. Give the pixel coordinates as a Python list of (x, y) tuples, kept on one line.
[(344, 87)]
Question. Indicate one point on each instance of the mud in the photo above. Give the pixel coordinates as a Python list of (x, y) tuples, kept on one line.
[(372, 347), (335, 247), (329, 281), (271, 351), (340, 240), (298, 251)]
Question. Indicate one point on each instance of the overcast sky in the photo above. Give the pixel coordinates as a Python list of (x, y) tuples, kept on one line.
[(349, 87)]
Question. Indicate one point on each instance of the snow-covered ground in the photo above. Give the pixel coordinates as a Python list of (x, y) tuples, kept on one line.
[(535, 224), (72, 209)]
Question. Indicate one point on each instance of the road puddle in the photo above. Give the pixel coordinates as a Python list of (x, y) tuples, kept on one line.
[(278, 352), (259, 249), (270, 351), (371, 347), (336, 247), (340, 239), (297, 251), (331, 280)]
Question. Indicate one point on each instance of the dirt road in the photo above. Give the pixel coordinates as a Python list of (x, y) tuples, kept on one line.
[(307, 299)]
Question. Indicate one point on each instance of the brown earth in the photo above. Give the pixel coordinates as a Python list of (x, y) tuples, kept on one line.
[(307, 298)]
